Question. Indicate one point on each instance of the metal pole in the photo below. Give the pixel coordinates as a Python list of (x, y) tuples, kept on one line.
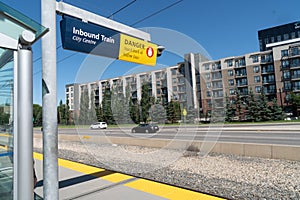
[(50, 141), (24, 127)]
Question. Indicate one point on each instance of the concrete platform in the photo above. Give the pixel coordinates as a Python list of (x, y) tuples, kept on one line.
[(79, 181)]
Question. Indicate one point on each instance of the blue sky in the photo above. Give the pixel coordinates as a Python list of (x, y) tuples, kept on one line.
[(223, 27)]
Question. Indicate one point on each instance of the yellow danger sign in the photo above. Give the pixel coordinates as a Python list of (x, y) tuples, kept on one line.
[(137, 50), (184, 112)]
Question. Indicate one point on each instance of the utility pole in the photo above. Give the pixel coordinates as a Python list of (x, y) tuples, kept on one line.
[(50, 139)]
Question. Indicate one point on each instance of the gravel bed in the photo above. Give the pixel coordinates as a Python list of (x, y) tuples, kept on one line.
[(228, 176)]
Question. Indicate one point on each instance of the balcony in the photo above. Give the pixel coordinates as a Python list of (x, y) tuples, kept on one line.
[(285, 78), (283, 67), (296, 77), (241, 84), (240, 75), (216, 78), (270, 91), (265, 82), (294, 53), (267, 60), (217, 88), (295, 66), (243, 93), (296, 88), (267, 71)]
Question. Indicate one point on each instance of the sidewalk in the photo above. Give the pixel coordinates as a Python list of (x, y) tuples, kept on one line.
[(79, 181)]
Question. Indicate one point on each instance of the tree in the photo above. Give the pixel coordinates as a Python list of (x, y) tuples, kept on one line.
[(84, 108), (106, 107), (119, 107), (99, 113), (37, 115), (239, 105), (252, 108), (173, 111), (229, 110), (92, 117), (276, 111), (134, 110), (158, 112), (145, 103), (295, 101), (67, 112), (61, 113), (264, 111), (191, 114)]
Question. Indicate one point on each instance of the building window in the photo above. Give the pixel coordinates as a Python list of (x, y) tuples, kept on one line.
[(294, 51), (231, 91), (278, 38), (268, 69), (241, 82), (173, 71), (286, 74), (208, 85), (272, 39), (293, 35), (296, 74), (284, 52), (256, 79), (269, 79), (240, 62), (207, 76), (287, 85), (206, 66), (295, 63), (296, 85), (218, 93), (208, 94), (257, 89), (255, 69), (157, 75), (285, 63), (254, 58), (230, 72), (229, 63), (174, 88), (286, 36), (267, 58), (174, 80), (231, 82)]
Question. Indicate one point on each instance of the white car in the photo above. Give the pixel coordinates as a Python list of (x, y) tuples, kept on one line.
[(99, 125)]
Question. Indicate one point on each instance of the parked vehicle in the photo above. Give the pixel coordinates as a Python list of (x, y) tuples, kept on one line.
[(99, 125), (145, 128)]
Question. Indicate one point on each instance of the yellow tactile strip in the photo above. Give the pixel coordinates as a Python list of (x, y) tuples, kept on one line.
[(158, 189)]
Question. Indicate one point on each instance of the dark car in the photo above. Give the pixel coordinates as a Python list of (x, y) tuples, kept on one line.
[(145, 128)]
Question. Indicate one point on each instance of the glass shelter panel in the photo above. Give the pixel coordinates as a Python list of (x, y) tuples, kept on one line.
[(6, 123)]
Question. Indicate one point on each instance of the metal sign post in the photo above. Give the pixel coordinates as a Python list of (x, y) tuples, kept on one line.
[(25, 136), (50, 141)]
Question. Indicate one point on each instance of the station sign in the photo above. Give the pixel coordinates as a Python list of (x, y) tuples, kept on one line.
[(90, 38)]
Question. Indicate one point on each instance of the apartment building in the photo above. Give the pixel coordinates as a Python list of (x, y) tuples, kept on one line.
[(278, 35), (178, 82), (203, 84)]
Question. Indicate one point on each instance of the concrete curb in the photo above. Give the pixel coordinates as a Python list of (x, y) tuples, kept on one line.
[(270, 151)]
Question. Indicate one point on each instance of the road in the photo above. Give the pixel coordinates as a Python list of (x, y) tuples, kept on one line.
[(261, 134)]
